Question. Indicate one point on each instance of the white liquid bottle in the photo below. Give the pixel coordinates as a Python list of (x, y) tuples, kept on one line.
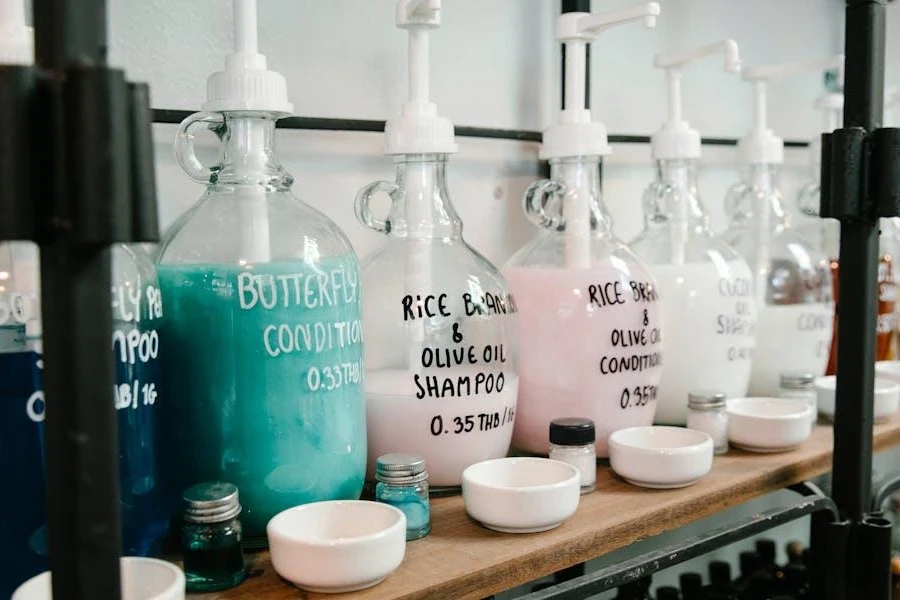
[(705, 286), (590, 320), (440, 324), (792, 282)]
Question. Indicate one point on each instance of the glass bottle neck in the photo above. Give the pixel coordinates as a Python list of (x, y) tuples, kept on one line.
[(760, 183), (675, 200), (582, 203), (421, 205), (248, 152)]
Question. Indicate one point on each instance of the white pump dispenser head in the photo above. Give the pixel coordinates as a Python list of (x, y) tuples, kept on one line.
[(574, 133), (677, 139), (761, 145), (246, 83), (16, 38), (418, 129)]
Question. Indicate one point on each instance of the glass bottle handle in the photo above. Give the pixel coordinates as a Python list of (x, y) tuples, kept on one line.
[(540, 196), (184, 144), (364, 210)]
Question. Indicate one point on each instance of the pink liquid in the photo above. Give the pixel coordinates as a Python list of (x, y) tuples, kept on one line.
[(573, 344)]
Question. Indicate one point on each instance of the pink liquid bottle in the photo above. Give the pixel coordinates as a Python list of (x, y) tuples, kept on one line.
[(440, 324), (588, 307)]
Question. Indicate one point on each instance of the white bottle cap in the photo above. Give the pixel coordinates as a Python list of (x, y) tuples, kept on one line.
[(16, 38), (761, 145), (575, 133), (677, 139), (832, 106), (246, 83), (418, 129)]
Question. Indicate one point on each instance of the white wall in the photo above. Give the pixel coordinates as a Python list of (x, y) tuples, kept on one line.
[(494, 64)]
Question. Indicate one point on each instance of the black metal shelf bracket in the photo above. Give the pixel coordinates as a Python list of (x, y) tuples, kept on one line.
[(76, 176), (667, 556)]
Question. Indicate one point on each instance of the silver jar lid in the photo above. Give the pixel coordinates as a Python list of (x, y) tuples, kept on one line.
[(400, 468), (706, 400), (211, 502), (797, 380)]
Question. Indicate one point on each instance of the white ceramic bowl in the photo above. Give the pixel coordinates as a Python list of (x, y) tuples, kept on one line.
[(888, 369), (522, 494), (142, 579), (660, 457), (337, 546), (767, 424), (887, 396)]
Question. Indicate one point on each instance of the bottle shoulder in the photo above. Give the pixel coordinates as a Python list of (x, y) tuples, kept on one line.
[(606, 252), (228, 226)]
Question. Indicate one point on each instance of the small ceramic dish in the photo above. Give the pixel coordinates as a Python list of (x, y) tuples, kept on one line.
[(660, 457), (888, 369), (142, 579), (337, 546), (887, 396), (521, 494), (767, 424)]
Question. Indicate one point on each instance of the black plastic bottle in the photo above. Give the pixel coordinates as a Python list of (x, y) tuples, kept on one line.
[(720, 587), (691, 586), (750, 563), (638, 589), (667, 592)]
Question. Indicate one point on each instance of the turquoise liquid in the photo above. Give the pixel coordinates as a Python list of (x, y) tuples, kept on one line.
[(264, 382)]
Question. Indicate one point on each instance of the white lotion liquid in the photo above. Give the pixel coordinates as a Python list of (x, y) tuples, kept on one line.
[(590, 347), (409, 412), (790, 337), (710, 317)]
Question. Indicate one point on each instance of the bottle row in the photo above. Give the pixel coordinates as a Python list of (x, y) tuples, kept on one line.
[(240, 354)]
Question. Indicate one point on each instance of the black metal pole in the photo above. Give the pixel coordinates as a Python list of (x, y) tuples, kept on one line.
[(83, 522), (577, 6), (863, 97)]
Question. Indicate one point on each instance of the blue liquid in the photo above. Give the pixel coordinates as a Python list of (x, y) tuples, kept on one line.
[(248, 400), (23, 546), (414, 504)]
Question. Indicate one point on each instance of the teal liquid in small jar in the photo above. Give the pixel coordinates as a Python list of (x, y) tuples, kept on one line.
[(403, 483), (211, 537)]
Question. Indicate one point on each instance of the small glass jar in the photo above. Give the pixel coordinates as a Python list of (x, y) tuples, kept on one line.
[(800, 385), (403, 483), (211, 537), (706, 413), (572, 441)]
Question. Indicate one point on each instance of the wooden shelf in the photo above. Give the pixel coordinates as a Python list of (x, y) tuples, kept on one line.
[(461, 559)]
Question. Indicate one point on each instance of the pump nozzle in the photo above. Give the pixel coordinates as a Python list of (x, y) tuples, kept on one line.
[(677, 139), (16, 38), (761, 145), (419, 129), (575, 134), (246, 83)]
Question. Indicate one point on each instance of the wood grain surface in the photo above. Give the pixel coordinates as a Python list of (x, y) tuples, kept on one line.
[(461, 559)]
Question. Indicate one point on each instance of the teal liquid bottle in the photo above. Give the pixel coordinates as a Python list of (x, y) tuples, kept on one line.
[(263, 375)]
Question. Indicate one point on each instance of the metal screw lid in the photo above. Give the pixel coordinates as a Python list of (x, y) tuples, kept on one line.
[(797, 380), (211, 502), (400, 467), (572, 431), (706, 400)]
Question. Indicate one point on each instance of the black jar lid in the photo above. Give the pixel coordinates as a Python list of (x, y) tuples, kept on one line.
[(572, 431)]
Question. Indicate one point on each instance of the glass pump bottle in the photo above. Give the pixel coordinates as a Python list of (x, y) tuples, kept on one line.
[(792, 283), (264, 368), (589, 315), (825, 233), (440, 324), (705, 286)]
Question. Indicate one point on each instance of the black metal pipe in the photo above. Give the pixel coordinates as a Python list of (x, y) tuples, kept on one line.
[(874, 559), (83, 523), (678, 552), (863, 96)]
